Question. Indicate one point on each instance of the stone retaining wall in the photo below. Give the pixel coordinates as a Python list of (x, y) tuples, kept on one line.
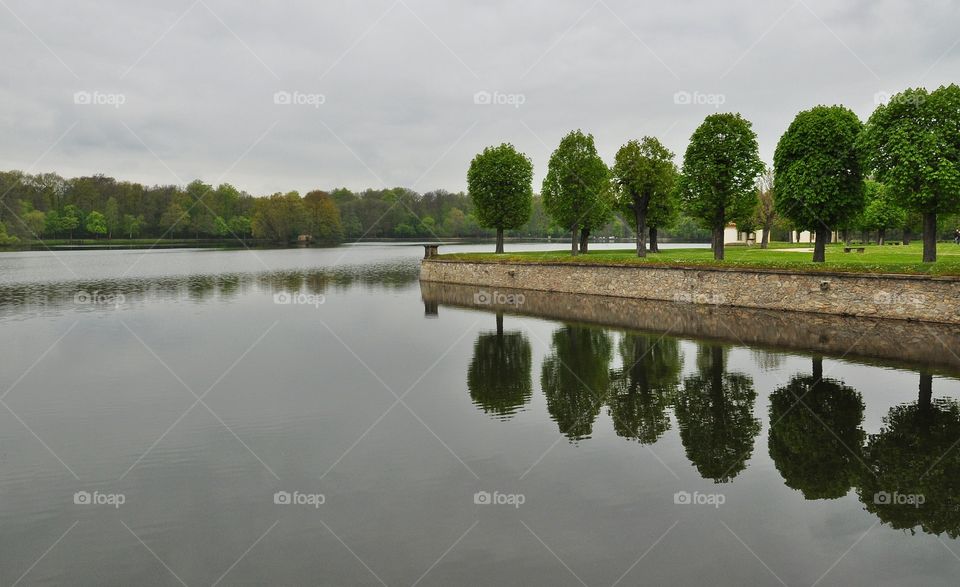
[(905, 297)]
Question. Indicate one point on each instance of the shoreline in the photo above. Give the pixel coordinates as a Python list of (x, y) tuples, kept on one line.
[(923, 298)]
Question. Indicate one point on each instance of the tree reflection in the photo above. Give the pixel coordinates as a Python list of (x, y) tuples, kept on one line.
[(914, 459), (575, 378), (499, 376), (815, 436), (643, 389), (715, 414)]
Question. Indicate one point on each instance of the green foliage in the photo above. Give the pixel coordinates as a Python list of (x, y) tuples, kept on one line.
[(645, 175), (280, 218), (818, 169), (882, 211), (96, 223), (913, 145), (500, 184), (720, 168), (576, 190), (322, 217)]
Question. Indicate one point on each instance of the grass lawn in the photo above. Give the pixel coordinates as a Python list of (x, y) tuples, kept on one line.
[(876, 258)]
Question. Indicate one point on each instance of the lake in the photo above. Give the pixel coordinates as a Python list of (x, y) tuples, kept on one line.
[(310, 416)]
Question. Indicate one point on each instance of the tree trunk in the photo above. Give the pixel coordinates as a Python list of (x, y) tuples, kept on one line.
[(718, 243), (654, 246), (500, 324), (641, 219), (906, 236), (846, 236), (820, 245), (499, 240), (881, 236), (798, 235), (584, 240), (929, 237), (765, 238), (574, 233), (817, 369)]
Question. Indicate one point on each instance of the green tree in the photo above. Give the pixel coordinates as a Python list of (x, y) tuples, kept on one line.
[(644, 174), (499, 373), (279, 218), (575, 378), (819, 173), (882, 211), (239, 225), (500, 184), (70, 219), (645, 386), (132, 225), (174, 219), (323, 217), (720, 169), (111, 214), (913, 144), (576, 190), (816, 439), (96, 223), (715, 414)]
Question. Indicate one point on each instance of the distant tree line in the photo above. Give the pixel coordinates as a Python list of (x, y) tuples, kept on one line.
[(47, 206)]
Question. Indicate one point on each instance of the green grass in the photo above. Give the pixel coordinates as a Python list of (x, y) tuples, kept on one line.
[(876, 259)]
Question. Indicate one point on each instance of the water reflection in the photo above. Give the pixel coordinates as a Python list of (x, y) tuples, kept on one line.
[(27, 298), (576, 378), (645, 387), (499, 376), (914, 466), (816, 435), (715, 415)]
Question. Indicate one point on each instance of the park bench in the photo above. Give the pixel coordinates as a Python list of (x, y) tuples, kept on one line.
[(857, 249)]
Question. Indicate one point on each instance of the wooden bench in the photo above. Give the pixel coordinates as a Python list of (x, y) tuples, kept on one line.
[(857, 249)]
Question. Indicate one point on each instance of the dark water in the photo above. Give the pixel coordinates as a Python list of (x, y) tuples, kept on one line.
[(193, 386)]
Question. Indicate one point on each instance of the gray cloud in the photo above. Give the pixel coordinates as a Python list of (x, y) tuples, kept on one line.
[(398, 80)]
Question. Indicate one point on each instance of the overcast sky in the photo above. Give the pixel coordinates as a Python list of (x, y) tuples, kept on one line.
[(385, 92)]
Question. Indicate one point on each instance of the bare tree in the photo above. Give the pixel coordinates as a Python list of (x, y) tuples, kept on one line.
[(766, 215)]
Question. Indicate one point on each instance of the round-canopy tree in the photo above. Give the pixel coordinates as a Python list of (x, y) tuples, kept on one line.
[(500, 183), (720, 169), (576, 191), (913, 144), (644, 174), (818, 172)]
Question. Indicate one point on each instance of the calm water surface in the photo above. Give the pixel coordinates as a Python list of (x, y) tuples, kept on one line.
[(186, 393)]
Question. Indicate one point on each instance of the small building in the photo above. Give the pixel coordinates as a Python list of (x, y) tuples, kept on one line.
[(732, 235)]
